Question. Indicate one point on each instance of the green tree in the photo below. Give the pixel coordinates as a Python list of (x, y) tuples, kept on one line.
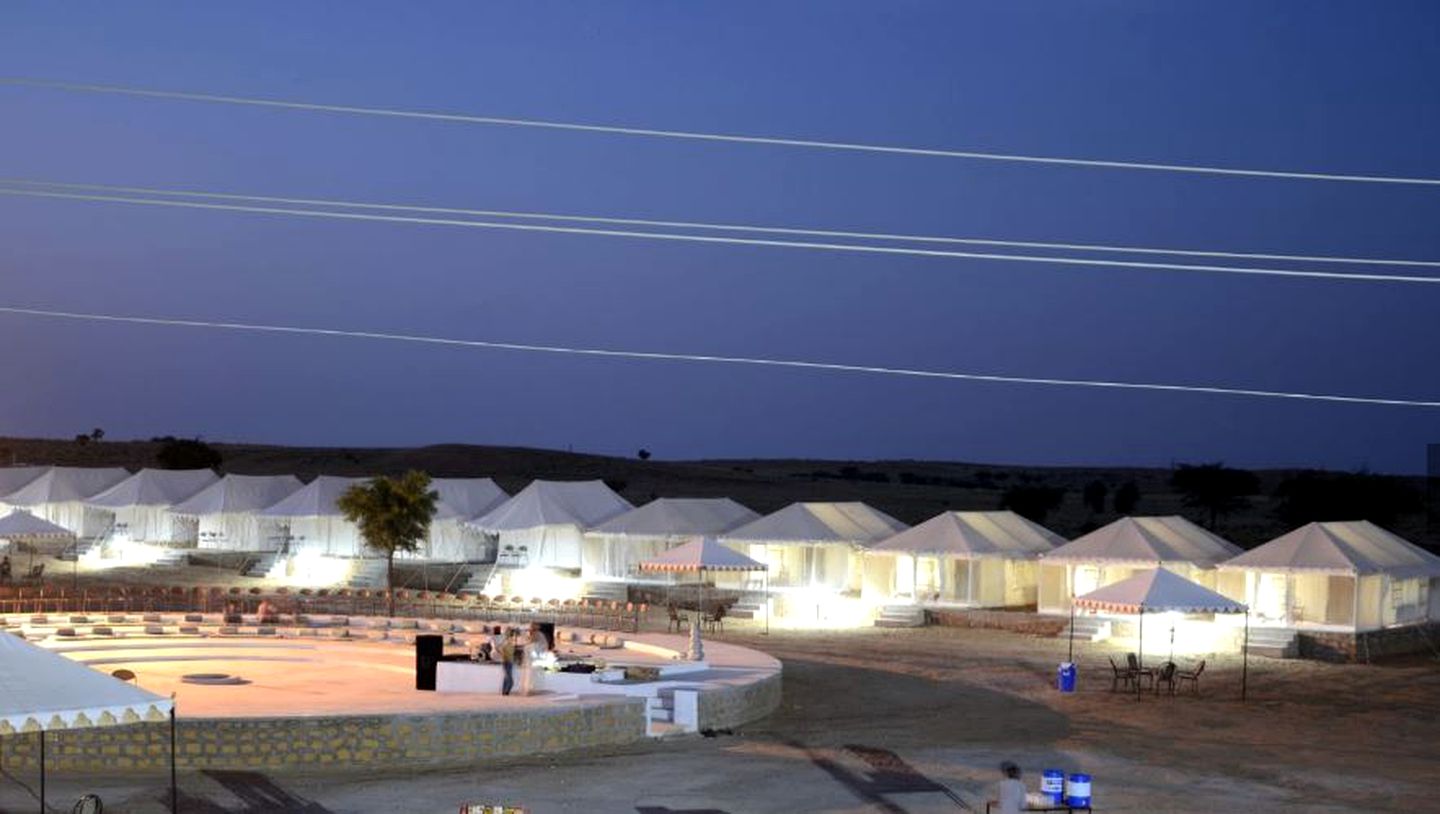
[(1214, 488), (393, 515), (1032, 502), (1127, 497), (1321, 496), (1094, 496)]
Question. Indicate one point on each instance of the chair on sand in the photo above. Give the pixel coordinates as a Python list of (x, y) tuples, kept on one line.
[(1139, 672), (1165, 676), (679, 622), (1192, 676), (1120, 679)]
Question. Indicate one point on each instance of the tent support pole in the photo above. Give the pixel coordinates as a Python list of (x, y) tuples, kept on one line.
[(42, 771), (1070, 655), (1245, 658), (767, 592), (174, 789), (1140, 650)]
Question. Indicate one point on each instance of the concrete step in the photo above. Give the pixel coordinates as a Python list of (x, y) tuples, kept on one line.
[(1275, 643), (901, 616), (1088, 629), (746, 610), (608, 591)]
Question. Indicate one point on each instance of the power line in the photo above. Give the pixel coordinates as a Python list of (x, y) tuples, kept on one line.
[(714, 359), (733, 138), (724, 227), (723, 240)]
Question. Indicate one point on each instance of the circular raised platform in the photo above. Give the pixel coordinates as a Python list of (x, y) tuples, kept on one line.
[(331, 698)]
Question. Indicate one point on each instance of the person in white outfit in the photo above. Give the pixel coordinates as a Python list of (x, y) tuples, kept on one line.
[(536, 645), (1010, 793)]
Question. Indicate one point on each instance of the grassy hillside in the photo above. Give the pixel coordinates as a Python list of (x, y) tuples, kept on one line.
[(910, 490)]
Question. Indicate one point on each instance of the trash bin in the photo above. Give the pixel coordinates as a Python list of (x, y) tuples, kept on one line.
[(1065, 677), (1077, 791), (1052, 786)]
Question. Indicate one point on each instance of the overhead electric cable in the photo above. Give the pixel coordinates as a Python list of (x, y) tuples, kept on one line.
[(722, 227), (714, 359), (734, 138), (717, 239)]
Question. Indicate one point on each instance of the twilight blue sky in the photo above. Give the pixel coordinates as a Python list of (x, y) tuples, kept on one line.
[(1339, 87)]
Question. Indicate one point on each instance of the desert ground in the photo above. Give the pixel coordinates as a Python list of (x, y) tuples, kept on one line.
[(917, 721)]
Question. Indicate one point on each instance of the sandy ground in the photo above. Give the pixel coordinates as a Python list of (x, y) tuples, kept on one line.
[(916, 721)]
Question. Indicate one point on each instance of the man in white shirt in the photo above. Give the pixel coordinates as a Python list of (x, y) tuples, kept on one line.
[(1010, 793)]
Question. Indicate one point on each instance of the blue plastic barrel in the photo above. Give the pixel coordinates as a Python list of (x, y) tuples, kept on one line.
[(1052, 786), (1077, 791), (1065, 678)]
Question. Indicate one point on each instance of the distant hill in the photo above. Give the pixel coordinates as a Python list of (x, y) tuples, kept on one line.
[(910, 490)]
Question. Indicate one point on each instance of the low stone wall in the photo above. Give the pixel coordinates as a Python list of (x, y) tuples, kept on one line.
[(1026, 622), (729, 707), (388, 741), (1375, 644)]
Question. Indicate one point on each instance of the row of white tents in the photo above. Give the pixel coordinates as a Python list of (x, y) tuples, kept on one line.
[(1340, 575)]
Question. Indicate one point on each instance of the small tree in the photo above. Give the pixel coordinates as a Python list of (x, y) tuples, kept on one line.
[(1127, 497), (1214, 488), (394, 515), (643, 455), (97, 434), (1094, 496)]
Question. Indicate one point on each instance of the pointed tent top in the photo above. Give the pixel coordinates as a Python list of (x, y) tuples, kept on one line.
[(852, 523), (14, 477), (239, 493), (20, 525), (1353, 547), (555, 503), (465, 498), (315, 499), (65, 484), (702, 554), (154, 487), (38, 686), (974, 535), (678, 517), (1156, 590), (1147, 540)]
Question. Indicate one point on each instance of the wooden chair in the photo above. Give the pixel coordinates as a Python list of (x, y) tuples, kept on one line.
[(1191, 676), (1120, 679), (1140, 673), (678, 622), (1166, 676)]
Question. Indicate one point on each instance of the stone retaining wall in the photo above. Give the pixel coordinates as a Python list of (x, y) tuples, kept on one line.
[(1030, 623), (389, 741), (1396, 641), (729, 707)]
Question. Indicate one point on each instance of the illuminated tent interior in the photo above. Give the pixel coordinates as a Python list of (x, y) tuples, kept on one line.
[(814, 545), (614, 549), (140, 504), (451, 538), (544, 523), (1343, 576), (315, 524), (1115, 551), (225, 512), (975, 559), (59, 495)]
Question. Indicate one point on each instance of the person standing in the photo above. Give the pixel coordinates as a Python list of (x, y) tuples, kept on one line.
[(535, 646), (508, 651), (1010, 793)]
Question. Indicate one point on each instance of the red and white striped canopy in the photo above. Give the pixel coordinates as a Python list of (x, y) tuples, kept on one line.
[(1155, 591), (702, 554)]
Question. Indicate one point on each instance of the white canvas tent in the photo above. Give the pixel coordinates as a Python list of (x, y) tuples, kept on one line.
[(14, 477), (1115, 551), (140, 504), (1157, 590), (615, 548), (59, 495), (314, 522), (978, 559), (543, 524), (1347, 576), (22, 526), (227, 512), (461, 500), (814, 545), (42, 691)]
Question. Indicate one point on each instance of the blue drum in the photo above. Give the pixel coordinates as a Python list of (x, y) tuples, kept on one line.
[(1077, 791), (1052, 786)]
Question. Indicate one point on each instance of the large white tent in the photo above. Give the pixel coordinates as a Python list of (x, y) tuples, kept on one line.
[(1352, 576), (814, 545), (461, 500), (14, 477), (42, 691), (314, 521), (140, 504), (59, 495), (615, 548), (984, 559), (543, 524), (227, 516), (1115, 551)]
